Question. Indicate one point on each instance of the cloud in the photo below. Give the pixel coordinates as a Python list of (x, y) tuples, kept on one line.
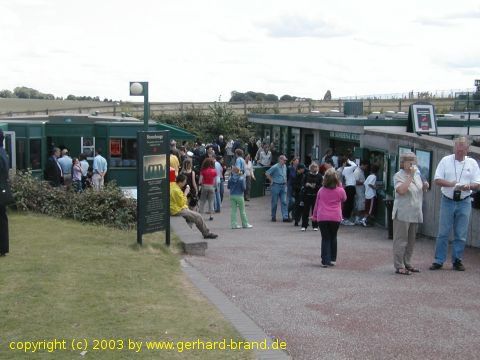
[(298, 26), (449, 19), (379, 43)]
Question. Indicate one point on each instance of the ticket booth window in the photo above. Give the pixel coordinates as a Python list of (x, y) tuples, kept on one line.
[(123, 152)]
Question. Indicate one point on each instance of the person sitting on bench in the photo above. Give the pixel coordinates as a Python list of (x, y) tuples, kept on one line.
[(179, 206)]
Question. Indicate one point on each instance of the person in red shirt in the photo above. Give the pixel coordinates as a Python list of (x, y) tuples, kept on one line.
[(207, 182)]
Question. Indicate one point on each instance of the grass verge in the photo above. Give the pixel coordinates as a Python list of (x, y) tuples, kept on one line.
[(65, 280)]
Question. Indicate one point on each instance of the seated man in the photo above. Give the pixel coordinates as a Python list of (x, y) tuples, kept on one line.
[(179, 206)]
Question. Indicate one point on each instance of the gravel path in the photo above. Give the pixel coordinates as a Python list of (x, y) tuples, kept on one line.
[(359, 309)]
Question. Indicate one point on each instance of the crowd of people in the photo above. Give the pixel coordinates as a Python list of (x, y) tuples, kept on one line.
[(334, 191), (62, 170)]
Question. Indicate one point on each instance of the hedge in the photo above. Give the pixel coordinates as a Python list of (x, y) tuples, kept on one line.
[(106, 207)]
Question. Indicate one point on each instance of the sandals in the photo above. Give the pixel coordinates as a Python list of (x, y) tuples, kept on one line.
[(412, 269), (403, 271)]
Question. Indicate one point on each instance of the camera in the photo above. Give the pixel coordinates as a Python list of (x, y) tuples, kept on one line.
[(457, 195)]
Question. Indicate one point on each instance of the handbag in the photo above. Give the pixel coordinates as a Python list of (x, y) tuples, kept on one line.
[(6, 196)]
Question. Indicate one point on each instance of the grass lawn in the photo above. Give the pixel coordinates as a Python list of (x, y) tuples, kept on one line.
[(65, 280)]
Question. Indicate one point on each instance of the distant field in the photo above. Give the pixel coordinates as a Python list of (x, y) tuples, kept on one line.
[(14, 105), (22, 107)]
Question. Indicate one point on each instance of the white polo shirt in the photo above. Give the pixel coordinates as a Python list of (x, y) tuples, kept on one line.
[(462, 172), (348, 174)]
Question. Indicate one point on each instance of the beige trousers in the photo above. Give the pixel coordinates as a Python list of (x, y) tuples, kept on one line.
[(404, 234), (194, 217)]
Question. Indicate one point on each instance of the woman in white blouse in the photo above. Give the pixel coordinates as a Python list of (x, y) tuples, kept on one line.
[(407, 212)]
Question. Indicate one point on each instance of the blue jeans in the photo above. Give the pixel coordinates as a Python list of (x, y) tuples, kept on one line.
[(279, 191), (218, 196), (456, 215)]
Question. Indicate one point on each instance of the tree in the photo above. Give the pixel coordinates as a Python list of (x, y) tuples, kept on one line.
[(287, 98), (271, 97), (6, 94), (71, 97), (328, 95)]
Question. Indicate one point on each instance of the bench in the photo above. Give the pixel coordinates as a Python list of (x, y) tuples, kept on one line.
[(194, 246)]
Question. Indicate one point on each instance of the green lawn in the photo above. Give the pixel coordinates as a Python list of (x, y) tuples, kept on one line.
[(65, 280)]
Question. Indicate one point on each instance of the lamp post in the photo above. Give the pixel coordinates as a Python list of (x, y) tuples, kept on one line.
[(140, 88)]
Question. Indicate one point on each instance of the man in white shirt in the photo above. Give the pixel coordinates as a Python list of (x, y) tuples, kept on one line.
[(359, 174), (458, 175), (264, 156), (65, 163), (348, 168), (99, 170)]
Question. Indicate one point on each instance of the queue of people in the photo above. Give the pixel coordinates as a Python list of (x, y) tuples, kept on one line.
[(62, 170)]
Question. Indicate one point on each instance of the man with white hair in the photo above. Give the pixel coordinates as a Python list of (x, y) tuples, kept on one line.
[(458, 175), (65, 163)]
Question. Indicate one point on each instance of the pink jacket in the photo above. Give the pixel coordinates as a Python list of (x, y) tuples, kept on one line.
[(328, 206)]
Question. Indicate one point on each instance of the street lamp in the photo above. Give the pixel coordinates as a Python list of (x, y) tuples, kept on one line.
[(140, 88)]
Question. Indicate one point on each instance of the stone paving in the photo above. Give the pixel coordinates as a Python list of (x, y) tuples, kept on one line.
[(358, 309)]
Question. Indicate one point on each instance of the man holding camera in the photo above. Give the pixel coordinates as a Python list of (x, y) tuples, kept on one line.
[(458, 175)]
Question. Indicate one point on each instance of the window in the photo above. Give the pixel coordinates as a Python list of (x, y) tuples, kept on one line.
[(35, 153), (88, 147), (123, 152), (20, 145)]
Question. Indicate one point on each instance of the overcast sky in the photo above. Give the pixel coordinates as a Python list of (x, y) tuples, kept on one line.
[(199, 50)]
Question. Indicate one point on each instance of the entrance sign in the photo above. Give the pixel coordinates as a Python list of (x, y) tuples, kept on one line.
[(153, 193), (421, 119)]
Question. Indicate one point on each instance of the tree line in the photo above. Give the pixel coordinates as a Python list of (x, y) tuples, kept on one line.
[(248, 96), (23, 92)]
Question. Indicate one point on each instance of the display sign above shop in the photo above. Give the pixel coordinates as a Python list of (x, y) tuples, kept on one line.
[(344, 136)]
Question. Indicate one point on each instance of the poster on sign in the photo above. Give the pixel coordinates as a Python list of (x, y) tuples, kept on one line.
[(423, 118)]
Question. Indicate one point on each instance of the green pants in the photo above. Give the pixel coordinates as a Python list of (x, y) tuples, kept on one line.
[(237, 201)]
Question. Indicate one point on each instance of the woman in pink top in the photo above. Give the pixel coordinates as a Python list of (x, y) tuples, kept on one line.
[(207, 181), (328, 214)]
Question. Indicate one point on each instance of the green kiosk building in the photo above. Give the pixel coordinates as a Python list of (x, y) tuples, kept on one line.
[(28, 140)]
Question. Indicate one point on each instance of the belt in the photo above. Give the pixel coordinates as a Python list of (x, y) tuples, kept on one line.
[(466, 197), (279, 183)]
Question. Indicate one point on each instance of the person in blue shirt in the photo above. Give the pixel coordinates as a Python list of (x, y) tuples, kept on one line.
[(237, 186), (277, 175), (99, 170)]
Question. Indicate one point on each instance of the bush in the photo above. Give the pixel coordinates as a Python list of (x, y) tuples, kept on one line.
[(107, 207)]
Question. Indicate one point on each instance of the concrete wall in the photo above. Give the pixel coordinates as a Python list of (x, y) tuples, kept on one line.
[(34, 107), (390, 141)]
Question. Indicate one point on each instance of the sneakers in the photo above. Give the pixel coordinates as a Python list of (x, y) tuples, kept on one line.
[(363, 222), (435, 266), (315, 229), (248, 226), (236, 227), (287, 220), (457, 265), (303, 229), (347, 222), (210, 236), (273, 219), (210, 218)]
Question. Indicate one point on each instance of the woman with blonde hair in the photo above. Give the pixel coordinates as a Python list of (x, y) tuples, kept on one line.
[(407, 212), (328, 214)]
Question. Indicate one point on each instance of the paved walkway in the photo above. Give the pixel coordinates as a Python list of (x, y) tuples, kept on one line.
[(359, 309)]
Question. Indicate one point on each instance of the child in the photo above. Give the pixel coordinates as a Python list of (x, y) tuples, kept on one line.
[(370, 195), (237, 186)]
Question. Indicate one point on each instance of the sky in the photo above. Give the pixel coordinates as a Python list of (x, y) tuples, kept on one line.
[(202, 50)]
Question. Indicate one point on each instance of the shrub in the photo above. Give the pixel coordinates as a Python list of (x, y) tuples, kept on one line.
[(107, 207)]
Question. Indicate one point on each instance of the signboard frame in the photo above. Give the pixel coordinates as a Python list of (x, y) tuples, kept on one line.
[(153, 183), (421, 119)]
